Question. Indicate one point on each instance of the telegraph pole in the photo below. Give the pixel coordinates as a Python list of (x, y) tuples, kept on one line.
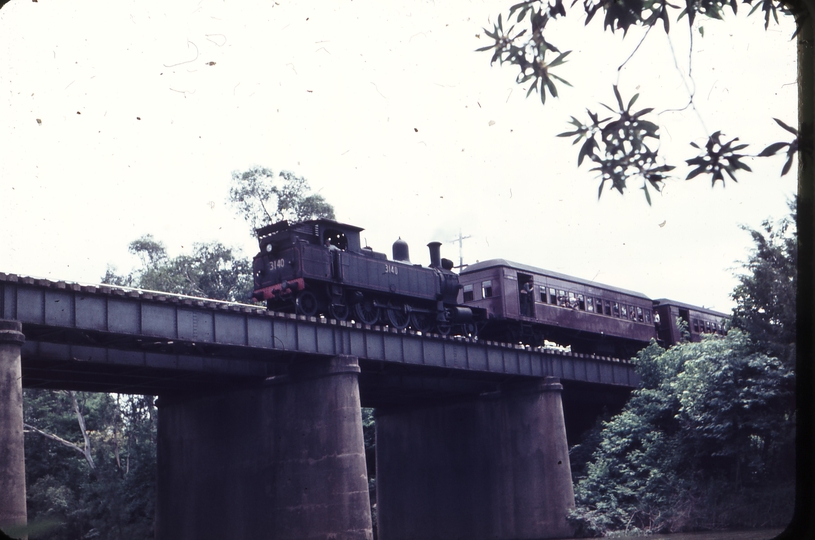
[(460, 241)]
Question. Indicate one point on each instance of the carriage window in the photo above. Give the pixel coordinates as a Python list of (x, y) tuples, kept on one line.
[(608, 308), (486, 289), (639, 314), (632, 314), (581, 302), (562, 300), (543, 294), (696, 326), (707, 326), (648, 315), (572, 300), (552, 296), (468, 293), (623, 312), (590, 304), (335, 239)]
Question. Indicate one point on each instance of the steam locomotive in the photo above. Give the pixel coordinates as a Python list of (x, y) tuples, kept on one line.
[(319, 267)]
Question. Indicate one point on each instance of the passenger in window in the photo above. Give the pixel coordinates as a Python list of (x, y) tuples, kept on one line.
[(526, 300)]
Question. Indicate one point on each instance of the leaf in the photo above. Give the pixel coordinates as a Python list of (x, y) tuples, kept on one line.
[(632, 101), (773, 149), (561, 79), (785, 126), (787, 165), (551, 86), (619, 98), (560, 59), (695, 173), (586, 150)]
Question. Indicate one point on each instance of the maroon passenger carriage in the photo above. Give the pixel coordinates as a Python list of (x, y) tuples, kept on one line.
[(319, 266), (699, 320), (533, 305)]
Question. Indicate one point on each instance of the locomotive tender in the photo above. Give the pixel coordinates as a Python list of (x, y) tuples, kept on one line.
[(319, 267)]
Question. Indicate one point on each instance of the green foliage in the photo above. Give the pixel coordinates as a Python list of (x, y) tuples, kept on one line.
[(792, 147), (261, 197), (114, 500), (766, 295), (717, 158), (622, 153), (211, 271), (706, 441)]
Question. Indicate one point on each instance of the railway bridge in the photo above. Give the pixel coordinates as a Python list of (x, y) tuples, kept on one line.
[(260, 432)]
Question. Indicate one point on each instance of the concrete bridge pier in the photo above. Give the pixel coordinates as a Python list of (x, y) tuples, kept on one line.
[(12, 455), (285, 460), (493, 468)]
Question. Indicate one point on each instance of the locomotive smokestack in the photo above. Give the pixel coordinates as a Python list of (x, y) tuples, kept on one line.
[(435, 254)]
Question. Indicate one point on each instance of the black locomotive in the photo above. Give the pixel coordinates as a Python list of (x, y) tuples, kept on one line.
[(319, 267)]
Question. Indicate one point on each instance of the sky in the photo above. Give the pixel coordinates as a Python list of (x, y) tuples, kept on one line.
[(119, 119)]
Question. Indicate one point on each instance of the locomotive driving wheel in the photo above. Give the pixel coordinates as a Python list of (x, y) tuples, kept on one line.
[(306, 303), (366, 311), (421, 321), (398, 317), (339, 312), (443, 328)]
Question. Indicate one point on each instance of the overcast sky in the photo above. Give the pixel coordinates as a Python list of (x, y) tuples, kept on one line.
[(126, 118)]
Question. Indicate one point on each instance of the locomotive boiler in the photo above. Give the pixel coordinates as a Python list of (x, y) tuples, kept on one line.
[(319, 267)]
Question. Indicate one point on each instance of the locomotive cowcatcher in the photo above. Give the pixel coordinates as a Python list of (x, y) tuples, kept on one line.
[(319, 267)]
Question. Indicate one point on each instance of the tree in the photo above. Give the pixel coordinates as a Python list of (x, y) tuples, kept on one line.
[(261, 197), (624, 146), (766, 295), (211, 271), (705, 442), (90, 464)]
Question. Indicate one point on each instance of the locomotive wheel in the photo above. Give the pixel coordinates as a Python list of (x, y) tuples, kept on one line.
[(306, 303), (398, 318), (339, 312), (443, 328), (366, 311), (421, 321)]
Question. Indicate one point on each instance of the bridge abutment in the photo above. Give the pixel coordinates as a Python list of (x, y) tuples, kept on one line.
[(286, 460), (12, 454), (492, 468)]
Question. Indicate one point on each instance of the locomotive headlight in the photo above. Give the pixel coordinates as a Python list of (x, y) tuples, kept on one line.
[(268, 248)]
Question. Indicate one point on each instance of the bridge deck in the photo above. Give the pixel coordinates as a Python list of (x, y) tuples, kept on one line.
[(126, 340)]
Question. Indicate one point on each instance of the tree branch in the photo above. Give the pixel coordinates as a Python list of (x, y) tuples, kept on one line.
[(56, 438), (81, 419)]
